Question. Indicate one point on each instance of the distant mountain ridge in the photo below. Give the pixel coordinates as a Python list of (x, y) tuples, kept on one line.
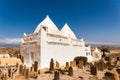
[(10, 45), (12, 51), (98, 44)]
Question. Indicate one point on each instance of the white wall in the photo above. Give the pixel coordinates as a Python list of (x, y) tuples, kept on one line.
[(61, 49), (59, 52)]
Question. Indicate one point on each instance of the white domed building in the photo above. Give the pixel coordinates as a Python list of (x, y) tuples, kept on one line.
[(48, 42), (96, 54)]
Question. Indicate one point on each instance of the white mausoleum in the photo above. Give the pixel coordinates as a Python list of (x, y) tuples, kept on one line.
[(48, 42)]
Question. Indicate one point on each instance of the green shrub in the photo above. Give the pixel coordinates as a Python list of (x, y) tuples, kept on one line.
[(81, 58)]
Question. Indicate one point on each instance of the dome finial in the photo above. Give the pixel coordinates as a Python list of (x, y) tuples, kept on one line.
[(25, 34), (81, 39), (47, 16)]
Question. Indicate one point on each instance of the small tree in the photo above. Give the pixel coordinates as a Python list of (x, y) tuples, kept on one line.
[(81, 58), (104, 50)]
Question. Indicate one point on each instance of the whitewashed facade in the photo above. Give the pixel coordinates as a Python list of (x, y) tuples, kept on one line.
[(96, 54), (48, 42)]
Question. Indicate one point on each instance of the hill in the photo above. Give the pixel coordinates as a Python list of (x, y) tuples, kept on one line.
[(10, 50), (110, 47)]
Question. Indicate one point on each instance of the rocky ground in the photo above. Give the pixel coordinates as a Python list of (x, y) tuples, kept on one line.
[(78, 73)]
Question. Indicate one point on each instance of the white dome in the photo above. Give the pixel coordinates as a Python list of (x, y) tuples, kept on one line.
[(25, 34), (66, 31), (96, 50), (51, 27), (81, 39)]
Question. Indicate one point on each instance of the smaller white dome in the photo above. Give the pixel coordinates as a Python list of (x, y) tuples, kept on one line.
[(66, 31), (96, 50)]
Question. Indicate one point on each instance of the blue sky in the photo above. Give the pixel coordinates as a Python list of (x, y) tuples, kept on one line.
[(94, 20)]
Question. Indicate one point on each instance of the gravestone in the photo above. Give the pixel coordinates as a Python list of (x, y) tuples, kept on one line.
[(96, 64), (38, 71), (22, 59), (67, 66), (35, 66), (52, 65), (118, 58), (27, 73), (21, 69), (6, 77), (32, 67), (108, 65), (9, 73), (24, 70), (74, 63), (80, 64), (93, 70), (12, 75), (70, 71), (56, 75), (101, 65), (57, 65), (20, 56), (17, 65)]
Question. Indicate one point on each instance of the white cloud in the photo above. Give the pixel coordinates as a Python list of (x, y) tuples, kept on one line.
[(103, 43), (10, 41), (18, 40)]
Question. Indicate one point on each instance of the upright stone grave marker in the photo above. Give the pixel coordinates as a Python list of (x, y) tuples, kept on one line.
[(74, 63), (70, 71), (93, 70), (96, 64), (21, 69), (9, 73), (35, 66), (101, 65), (57, 65), (67, 66), (27, 73), (56, 75), (38, 71), (52, 65), (24, 70), (80, 65)]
